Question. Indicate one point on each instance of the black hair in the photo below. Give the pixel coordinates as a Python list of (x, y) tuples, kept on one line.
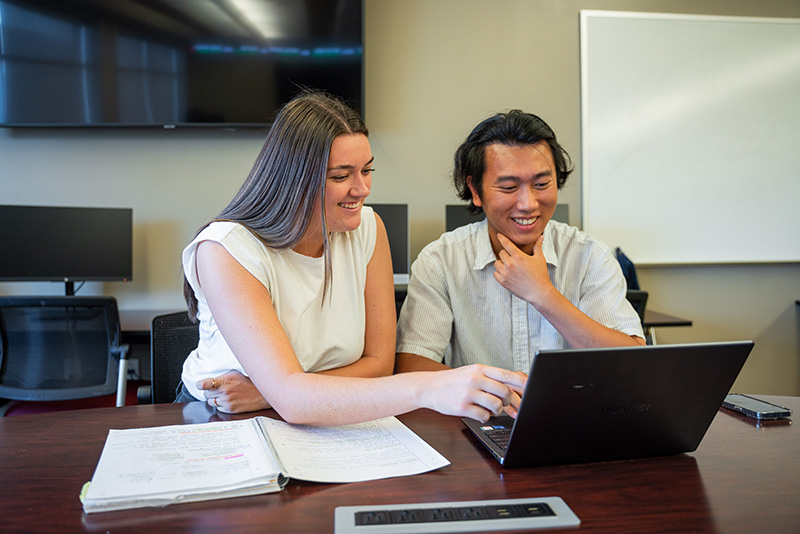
[(514, 128)]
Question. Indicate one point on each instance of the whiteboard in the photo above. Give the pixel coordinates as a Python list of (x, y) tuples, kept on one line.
[(690, 136)]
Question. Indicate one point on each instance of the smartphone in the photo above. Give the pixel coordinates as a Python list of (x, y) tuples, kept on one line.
[(755, 408)]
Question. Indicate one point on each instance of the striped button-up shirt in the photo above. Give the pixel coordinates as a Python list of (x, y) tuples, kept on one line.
[(456, 312)]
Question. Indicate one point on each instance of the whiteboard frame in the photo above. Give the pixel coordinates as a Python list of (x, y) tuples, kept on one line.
[(785, 249)]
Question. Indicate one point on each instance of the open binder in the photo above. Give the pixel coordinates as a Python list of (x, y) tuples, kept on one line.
[(184, 463)]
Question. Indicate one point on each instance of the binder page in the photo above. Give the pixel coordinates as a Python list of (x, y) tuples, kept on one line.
[(351, 453), (175, 462)]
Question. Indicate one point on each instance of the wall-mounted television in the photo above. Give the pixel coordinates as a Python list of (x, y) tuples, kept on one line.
[(65, 244), (168, 63)]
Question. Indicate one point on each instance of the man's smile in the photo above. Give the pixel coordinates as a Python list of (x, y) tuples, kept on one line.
[(525, 222)]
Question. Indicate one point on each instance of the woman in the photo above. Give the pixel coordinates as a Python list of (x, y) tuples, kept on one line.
[(292, 284)]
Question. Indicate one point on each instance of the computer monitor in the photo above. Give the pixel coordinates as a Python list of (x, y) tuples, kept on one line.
[(457, 215), (395, 218), (65, 244)]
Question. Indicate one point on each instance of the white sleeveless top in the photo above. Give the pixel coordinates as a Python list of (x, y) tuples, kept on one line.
[(322, 336)]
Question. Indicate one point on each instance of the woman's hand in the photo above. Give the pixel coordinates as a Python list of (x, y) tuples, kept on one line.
[(475, 391), (232, 392)]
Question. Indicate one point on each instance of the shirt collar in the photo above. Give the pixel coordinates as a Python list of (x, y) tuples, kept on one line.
[(548, 245), (485, 255)]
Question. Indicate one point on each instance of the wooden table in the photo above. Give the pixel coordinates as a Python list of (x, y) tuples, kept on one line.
[(743, 478)]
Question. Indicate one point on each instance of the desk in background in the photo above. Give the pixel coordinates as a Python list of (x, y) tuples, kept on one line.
[(742, 479), (136, 323), (135, 326), (654, 319)]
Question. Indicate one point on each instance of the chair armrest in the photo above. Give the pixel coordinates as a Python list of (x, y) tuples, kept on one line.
[(144, 395), (122, 378)]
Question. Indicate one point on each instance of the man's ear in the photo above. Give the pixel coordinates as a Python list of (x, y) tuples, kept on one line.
[(476, 197)]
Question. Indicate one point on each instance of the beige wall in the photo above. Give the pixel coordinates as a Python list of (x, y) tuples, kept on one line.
[(434, 68)]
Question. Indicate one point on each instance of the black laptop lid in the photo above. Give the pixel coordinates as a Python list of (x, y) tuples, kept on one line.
[(620, 403)]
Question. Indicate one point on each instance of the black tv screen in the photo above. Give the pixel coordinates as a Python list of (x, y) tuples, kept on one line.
[(167, 63), (60, 244)]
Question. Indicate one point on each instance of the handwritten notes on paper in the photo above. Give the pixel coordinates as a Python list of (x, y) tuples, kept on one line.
[(181, 463), (352, 453)]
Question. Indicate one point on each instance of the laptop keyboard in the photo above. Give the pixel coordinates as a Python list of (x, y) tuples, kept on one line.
[(499, 435)]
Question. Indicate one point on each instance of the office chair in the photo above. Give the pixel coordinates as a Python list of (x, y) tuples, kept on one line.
[(638, 298), (172, 337), (628, 269), (57, 348)]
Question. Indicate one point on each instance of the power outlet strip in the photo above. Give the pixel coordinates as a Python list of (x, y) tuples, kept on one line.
[(457, 516)]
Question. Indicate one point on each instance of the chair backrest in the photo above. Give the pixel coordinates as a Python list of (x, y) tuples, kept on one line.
[(628, 269), (172, 337), (638, 298), (58, 348)]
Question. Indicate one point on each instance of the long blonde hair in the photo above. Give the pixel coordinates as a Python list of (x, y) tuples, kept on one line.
[(276, 200)]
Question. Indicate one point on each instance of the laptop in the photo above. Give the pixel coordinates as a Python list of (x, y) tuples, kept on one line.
[(589, 405)]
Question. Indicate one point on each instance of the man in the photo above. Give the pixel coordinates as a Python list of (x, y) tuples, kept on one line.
[(497, 291)]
